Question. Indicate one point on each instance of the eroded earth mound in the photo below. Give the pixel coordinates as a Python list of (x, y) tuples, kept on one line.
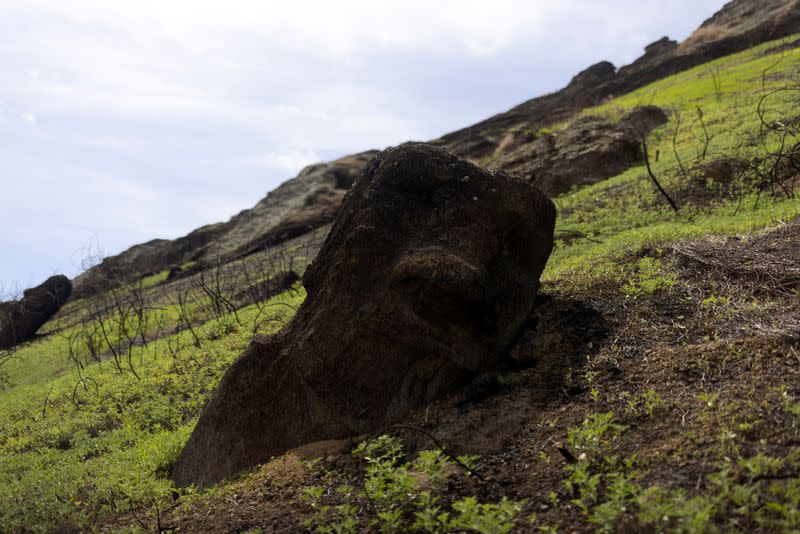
[(589, 150), (426, 279), (20, 319)]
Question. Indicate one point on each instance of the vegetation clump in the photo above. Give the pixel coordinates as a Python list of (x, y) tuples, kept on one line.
[(400, 495)]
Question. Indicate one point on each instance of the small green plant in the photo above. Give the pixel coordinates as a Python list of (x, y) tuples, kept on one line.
[(403, 496), (594, 392), (647, 403), (597, 471), (648, 277), (791, 406), (596, 433), (758, 491), (329, 519), (715, 301), (219, 328), (709, 399)]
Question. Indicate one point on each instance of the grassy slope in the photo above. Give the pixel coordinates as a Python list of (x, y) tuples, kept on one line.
[(75, 450), (626, 212), (72, 452)]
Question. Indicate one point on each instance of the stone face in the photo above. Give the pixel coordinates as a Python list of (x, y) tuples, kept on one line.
[(591, 149), (426, 279), (19, 320)]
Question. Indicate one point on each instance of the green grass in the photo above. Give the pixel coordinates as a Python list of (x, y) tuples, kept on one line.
[(622, 235), (404, 496), (74, 450), (78, 444), (626, 213), (155, 279), (750, 490)]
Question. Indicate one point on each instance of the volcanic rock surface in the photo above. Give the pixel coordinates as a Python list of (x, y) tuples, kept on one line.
[(304, 203), (426, 279), (591, 149), (264, 290), (739, 25), (20, 319)]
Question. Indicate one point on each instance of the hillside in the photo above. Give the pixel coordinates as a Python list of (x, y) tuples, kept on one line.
[(311, 199), (657, 391)]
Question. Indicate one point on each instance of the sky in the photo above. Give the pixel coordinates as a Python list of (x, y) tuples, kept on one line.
[(127, 120)]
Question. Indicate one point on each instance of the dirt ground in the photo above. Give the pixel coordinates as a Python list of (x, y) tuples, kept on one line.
[(727, 331)]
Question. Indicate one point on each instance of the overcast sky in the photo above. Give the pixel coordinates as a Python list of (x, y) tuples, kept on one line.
[(123, 121)]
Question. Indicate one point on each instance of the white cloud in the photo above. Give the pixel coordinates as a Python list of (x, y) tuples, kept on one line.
[(304, 113), (340, 29), (290, 162)]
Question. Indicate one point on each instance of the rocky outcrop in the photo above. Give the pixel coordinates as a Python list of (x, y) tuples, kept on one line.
[(297, 206), (589, 150), (739, 25), (151, 257), (312, 199), (426, 279), (264, 290), (20, 319), (302, 204), (644, 119), (751, 20)]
